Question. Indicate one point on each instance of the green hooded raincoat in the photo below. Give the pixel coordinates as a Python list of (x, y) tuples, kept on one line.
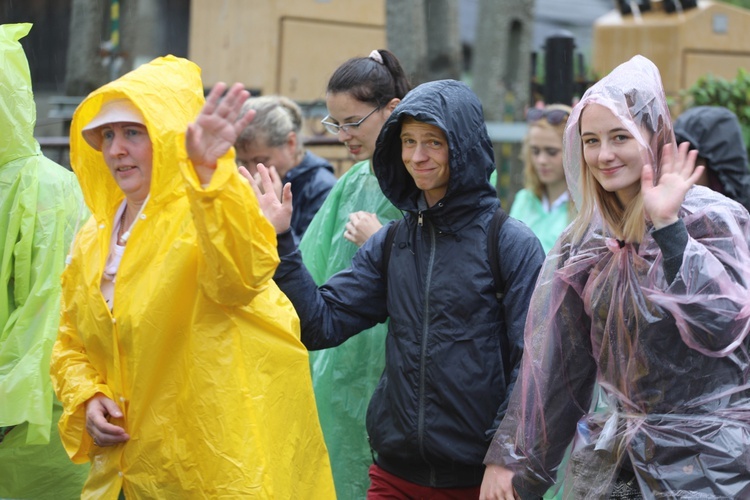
[(40, 207)]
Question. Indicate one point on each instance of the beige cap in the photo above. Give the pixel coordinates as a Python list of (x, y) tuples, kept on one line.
[(114, 111)]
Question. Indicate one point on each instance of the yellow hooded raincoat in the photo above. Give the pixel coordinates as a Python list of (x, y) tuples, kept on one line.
[(202, 350)]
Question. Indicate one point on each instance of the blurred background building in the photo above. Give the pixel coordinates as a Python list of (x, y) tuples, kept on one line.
[(292, 46)]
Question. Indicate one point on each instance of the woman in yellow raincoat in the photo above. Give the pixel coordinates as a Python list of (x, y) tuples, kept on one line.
[(178, 359)]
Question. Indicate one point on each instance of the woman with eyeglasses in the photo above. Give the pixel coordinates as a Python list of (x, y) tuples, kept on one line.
[(360, 96), (543, 203)]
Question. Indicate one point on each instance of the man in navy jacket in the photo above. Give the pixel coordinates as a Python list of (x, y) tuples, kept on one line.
[(452, 350)]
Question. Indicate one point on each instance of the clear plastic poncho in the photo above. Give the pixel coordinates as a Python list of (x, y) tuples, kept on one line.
[(671, 358)]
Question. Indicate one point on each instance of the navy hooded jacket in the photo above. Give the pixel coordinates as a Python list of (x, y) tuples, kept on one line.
[(311, 180), (452, 351)]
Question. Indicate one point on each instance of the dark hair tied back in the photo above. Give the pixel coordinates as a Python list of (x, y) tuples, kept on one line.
[(369, 81)]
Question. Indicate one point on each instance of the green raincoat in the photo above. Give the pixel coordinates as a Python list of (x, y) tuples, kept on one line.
[(40, 208), (345, 377)]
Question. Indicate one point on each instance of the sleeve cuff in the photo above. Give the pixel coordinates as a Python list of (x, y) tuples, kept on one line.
[(672, 241), (286, 242)]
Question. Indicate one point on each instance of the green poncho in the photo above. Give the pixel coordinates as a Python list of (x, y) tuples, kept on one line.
[(345, 377), (40, 206)]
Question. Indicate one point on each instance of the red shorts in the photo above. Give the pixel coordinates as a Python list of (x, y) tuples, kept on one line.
[(386, 486)]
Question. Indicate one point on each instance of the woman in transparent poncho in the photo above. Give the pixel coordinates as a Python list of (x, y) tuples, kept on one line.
[(647, 293)]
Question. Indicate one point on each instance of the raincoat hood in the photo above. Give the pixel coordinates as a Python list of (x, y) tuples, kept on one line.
[(169, 99), (17, 111), (716, 133), (633, 92), (451, 106)]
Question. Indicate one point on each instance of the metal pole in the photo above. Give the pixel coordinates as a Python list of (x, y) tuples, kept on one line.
[(558, 67)]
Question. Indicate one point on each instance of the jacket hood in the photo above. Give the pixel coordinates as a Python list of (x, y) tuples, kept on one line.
[(169, 94), (17, 108), (457, 111), (716, 133), (309, 162)]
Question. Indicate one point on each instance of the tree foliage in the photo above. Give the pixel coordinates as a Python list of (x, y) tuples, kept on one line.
[(734, 94), (739, 3)]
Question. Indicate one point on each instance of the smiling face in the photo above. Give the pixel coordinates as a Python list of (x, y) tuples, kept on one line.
[(424, 151), (128, 154), (545, 149), (360, 141), (610, 151)]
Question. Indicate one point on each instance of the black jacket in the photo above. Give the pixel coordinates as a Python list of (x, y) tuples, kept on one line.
[(452, 352), (311, 180)]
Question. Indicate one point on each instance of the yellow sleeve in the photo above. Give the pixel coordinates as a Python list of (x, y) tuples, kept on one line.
[(237, 242)]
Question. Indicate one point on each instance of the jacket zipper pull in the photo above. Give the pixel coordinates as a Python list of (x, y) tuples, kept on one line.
[(420, 219)]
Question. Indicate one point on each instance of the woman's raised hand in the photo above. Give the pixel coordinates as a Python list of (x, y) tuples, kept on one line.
[(278, 210), (216, 128), (678, 174)]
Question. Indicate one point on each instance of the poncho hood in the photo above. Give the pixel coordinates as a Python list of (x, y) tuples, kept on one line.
[(169, 100), (716, 133), (457, 111), (633, 92), (17, 108)]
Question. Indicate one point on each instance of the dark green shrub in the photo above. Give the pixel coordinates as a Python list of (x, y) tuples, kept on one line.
[(739, 3), (732, 94)]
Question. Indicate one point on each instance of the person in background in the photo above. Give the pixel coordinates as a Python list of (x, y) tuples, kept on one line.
[(178, 359), (361, 95), (41, 208), (717, 135), (455, 336), (649, 296), (544, 202), (274, 138)]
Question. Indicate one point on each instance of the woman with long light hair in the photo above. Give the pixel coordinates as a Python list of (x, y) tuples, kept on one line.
[(648, 296), (544, 204)]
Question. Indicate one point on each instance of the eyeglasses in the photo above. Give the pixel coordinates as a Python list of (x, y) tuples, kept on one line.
[(334, 128), (553, 116)]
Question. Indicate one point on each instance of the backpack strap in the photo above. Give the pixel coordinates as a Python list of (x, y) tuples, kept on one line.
[(389, 236), (493, 237)]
